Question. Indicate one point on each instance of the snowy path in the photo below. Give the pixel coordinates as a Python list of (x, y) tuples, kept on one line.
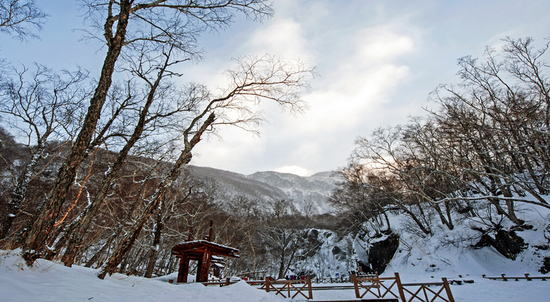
[(48, 281)]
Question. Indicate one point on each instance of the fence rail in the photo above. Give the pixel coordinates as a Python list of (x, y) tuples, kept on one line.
[(526, 276), (385, 288), (392, 287), (288, 286)]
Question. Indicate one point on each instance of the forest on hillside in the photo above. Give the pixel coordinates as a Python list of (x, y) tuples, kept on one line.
[(477, 162), (93, 169)]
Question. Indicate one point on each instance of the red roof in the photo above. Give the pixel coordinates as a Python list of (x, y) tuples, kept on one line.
[(196, 248)]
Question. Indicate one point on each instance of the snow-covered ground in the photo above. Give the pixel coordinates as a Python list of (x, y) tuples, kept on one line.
[(49, 281)]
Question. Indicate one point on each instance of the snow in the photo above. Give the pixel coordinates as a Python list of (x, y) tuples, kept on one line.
[(448, 253), (49, 281)]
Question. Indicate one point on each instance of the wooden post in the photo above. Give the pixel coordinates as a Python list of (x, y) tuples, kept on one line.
[(267, 284), (400, 287), (355, 286), (211, 231), (227, 281), (310, 289), (183, 269), (204, 265), (289, 283), (448, 289)]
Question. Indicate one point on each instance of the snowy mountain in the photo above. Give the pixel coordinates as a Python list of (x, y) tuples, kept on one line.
[(308, 193)]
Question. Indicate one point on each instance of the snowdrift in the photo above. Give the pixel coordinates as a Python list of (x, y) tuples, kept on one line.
[(49, 281)]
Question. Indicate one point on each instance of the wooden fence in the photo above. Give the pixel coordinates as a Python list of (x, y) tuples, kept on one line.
[(388, 288), (288, 286), (527, 277), (392, 287), (280, 287)]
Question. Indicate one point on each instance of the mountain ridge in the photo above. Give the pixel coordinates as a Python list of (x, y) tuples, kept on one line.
[(309, 193)]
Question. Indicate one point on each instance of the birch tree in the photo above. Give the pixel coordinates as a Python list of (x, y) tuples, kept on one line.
[(123, 26), (255, 79)]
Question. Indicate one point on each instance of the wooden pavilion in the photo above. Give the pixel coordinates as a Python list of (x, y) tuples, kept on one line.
[(205, 252)]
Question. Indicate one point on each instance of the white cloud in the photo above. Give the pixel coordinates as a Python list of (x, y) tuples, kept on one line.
[(383, 43), (297, 170), (365, 78), (350, 91), (377, 61), (234, 152), (282, 37)]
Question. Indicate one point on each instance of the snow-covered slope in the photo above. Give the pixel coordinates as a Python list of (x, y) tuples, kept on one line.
[(446, 253), (313, 189), (270, 186), (48, 281), (452, 252)]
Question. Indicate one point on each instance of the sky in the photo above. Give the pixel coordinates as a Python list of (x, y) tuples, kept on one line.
[(376, 63)]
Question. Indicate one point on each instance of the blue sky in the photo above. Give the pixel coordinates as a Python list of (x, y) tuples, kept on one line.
[(377, 62)]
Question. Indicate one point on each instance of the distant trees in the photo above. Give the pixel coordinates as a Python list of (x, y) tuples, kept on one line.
[(284, 234), (485, 148), (44, 109)]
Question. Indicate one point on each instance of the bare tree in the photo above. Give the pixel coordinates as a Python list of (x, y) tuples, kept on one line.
[(360, 199), (17, 17), (501, 112), (43, 107), (481, 154), (128, 24), (145, 118), (255, 79), (283, 232)]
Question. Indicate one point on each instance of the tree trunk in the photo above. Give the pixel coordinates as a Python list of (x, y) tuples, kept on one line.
[(35, 242), (17, 196), (282, 265), (185, 157), (156, 243), (19, 193), (108, 180), (425, 229), (101, 251)]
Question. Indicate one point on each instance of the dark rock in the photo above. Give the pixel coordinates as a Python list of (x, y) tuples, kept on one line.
[(380, 254), (312, 244), (507, 243), (338, 253), (545, 268)]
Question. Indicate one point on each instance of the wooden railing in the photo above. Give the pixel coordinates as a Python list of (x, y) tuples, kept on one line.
[(297, 287), (527, 277), (425, 293), (392, 287), (288, 286), (389, 288), (377, 286)]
